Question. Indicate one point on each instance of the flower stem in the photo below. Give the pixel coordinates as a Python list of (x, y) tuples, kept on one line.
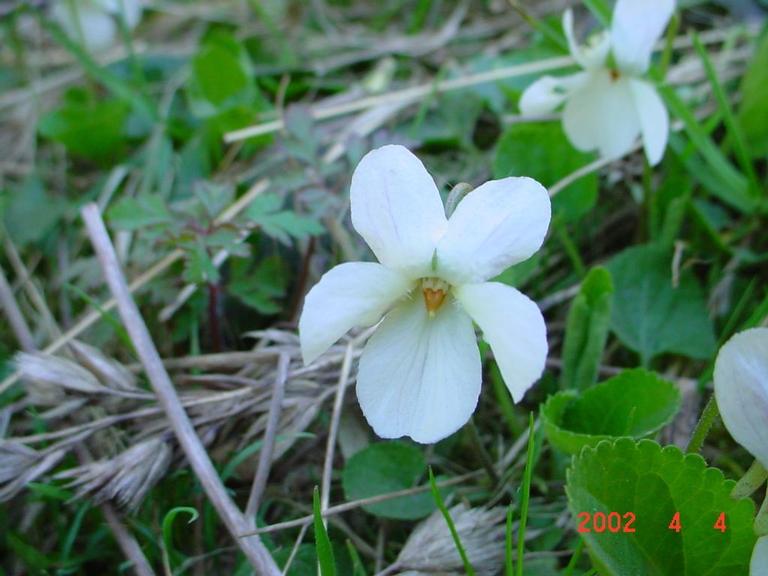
[(751, 481), (708, 416)]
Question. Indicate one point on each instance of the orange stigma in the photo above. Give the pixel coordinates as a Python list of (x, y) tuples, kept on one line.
[(433, 299)]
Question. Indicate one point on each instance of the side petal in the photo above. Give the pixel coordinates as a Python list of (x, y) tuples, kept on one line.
[(636, 26), (741, 390), (758, 566), (420, 376), (349, 295), (548, 92), (602, 116), (513, 326), (654, 119), (591, 56), (498, 224), (397, 209)]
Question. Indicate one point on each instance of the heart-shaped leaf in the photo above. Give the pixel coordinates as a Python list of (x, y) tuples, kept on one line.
[(635, 403), (677, 516)]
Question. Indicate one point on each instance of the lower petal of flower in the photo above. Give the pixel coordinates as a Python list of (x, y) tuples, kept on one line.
[(420, 376)]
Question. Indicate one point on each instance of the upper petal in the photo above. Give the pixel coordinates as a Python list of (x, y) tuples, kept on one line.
[(654, 119), (420, 376), (548, 92), (601, 115), (636, 26), (498, 224), (349, 295), (513, 326), (741, 390), (591, 56), (397, 209)]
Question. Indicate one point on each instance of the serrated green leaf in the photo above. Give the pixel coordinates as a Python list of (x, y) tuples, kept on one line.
[(282, 225), (388, 467), (261, 288), (587, 329), (652, 316), (139, 212), (635, 403), (653, 483), (542, 151)]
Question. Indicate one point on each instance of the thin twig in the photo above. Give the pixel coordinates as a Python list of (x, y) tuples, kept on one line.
[(15, 317), (198, 458), (354, 504), (270, 432), (338, 404), (153, 272)]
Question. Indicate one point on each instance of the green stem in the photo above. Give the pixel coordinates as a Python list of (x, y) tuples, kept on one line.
[(525, 496), (708, 416), (751, 481), (451, 526)]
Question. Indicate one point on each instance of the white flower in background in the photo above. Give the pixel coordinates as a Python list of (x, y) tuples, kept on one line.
[(741, 390), (95, 22), (608, 104), (420, 372)]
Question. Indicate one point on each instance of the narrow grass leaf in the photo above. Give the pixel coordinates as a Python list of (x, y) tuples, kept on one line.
[(451, 526), (526, 495), (322, 542)]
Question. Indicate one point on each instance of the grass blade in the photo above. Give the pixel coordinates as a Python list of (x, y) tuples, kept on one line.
[(526, 495), (451, 526), (322, 542)]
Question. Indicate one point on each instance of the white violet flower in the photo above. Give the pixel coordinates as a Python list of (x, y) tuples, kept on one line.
[(741, 390), (608, 104), (420, 372), (95, 22)]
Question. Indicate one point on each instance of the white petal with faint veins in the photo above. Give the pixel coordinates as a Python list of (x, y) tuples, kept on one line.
[(654, 119), (636, 26), (602, 116), (547, 93), (741, 390), (499, 223), (349, 295), (420, 376), (513, 326), (397, 209)]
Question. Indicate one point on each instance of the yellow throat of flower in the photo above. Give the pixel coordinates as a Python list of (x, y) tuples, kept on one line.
[(434, 291)]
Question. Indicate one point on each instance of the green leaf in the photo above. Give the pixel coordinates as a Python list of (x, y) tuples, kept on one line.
[(587, 329), (650, 314), (22, 216), (262, 288), (635, 403), (221, 76), (653, 483), (541, 151), (753, 113), (139, 212), (282, 225), (322, 542), (87, 127), (600, 10), (388, 467)]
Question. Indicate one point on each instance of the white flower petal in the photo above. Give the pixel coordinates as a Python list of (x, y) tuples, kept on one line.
[(420, 376), (601, 115), (654, 119), (588, 57), (95, 28), (498, 224), (397, 209), (758, 566), (741, 390), (636, 26), (513, 326), (349, 295), (548, 92)]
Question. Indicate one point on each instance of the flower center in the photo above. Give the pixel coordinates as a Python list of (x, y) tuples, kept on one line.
[(435, 291)]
